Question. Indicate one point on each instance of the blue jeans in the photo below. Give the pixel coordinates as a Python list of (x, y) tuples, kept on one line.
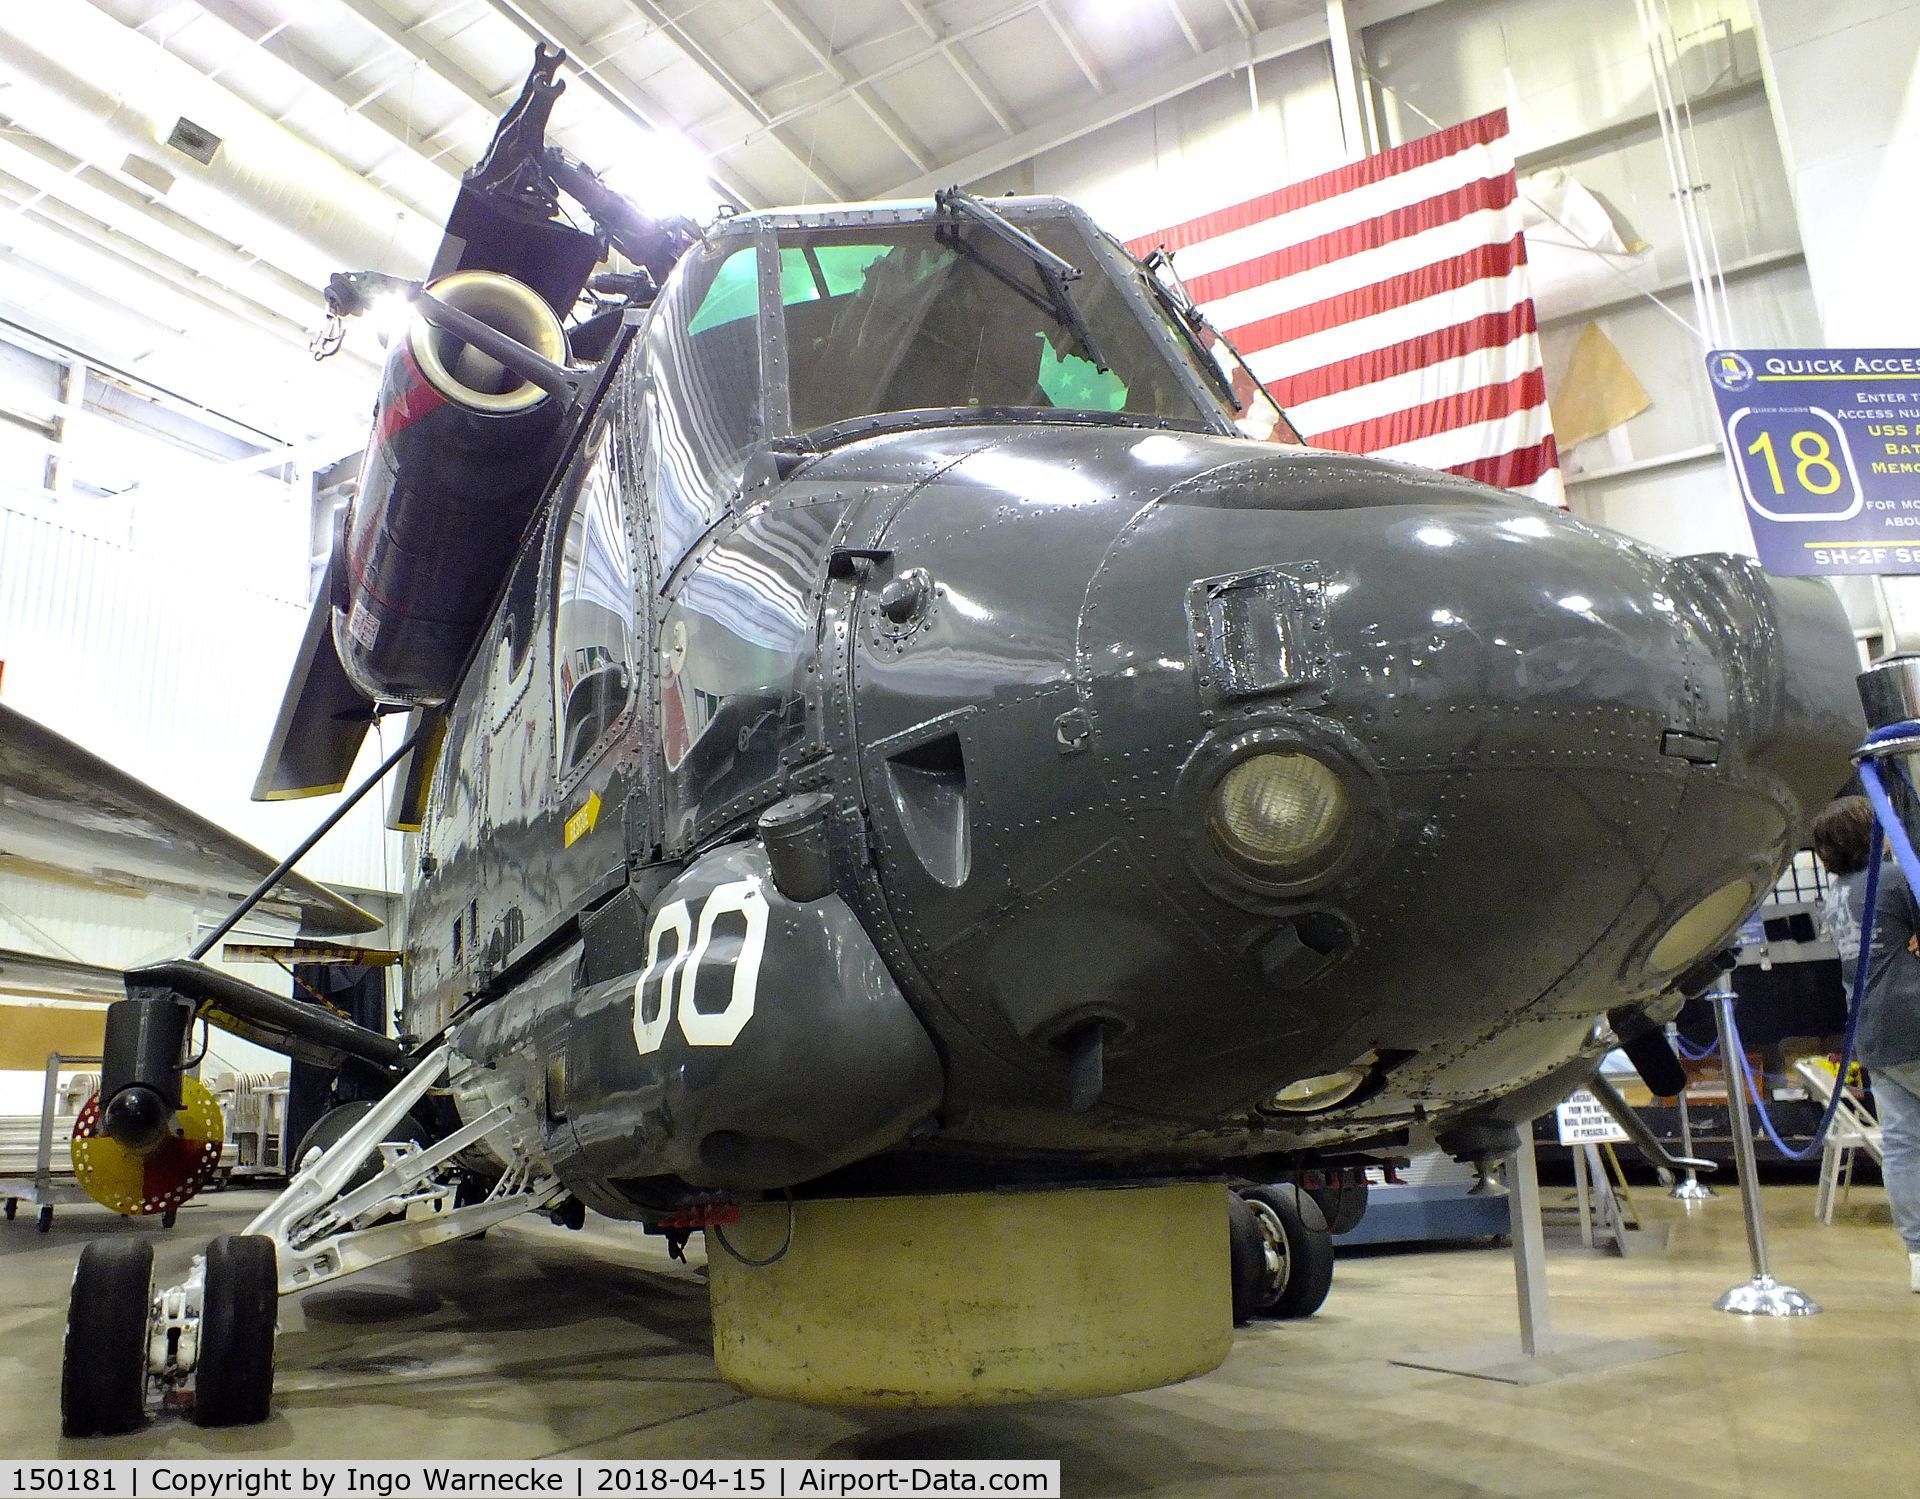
[(1896, 1098)]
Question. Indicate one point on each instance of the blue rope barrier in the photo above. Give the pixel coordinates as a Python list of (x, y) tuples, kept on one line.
[(1887, 828), (1688, 1054)]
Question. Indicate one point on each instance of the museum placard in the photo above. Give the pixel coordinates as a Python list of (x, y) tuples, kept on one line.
[(1825, 445), (1583, 1120)]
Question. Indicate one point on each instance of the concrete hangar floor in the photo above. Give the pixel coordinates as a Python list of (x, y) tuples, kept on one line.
[(542, 1343)]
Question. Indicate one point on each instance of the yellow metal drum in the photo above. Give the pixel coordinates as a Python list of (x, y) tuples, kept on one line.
[(975, 1298)]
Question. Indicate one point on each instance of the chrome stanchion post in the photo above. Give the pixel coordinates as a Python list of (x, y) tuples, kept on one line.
[(1762, 1296), (1689, 1188), (1890, 694)]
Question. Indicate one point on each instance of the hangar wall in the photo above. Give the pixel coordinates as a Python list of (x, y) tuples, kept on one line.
[(153, 579), (1575, 78), (152, 597), (1847, 105), (119, 930)]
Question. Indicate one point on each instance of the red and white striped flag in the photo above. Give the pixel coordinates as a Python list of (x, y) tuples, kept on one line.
[(1385, 305)]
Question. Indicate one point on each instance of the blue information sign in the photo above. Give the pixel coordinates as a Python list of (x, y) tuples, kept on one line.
[(1826, 443)]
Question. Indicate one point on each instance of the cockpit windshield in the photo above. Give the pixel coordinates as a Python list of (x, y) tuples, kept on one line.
[(942, 314), (936, 315)]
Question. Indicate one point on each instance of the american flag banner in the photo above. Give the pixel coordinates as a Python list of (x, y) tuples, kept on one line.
[(1385, 306)]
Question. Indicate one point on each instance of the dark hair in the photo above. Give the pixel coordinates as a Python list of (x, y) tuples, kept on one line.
[(1842, 833)]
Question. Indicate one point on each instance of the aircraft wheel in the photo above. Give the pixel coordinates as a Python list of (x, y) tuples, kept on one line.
[(103, 1367), (1297, 1251), (1342, 1207), (13, 1207), (1245, 1256), (337, 1120), (233, 1380), (43, 1220), (329, 1127)]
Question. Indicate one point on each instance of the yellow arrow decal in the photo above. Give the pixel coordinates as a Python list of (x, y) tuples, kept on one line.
[(584, 821)]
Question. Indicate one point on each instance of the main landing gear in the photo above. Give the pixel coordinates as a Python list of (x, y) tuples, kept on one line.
[(1281, 1252), (375, 1193)]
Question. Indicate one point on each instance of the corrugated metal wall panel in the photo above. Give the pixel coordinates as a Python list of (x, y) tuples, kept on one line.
[(119, 930), (170, 660)]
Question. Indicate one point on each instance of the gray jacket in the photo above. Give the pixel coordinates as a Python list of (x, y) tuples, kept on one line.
[(1889, 1033)]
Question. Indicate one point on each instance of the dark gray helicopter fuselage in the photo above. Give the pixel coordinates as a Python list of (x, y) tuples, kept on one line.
[(1017, 650)]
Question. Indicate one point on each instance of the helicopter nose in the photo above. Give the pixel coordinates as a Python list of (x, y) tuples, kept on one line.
[(1463, 748), (1286, 765), (1330, 684)]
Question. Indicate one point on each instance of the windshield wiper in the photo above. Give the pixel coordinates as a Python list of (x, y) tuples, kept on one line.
[(1190, 320), (1057, 274), (1179, 302)]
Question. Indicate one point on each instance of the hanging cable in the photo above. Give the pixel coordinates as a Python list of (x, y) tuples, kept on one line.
[(1690, 148), (720, 1234), (1604, 257)]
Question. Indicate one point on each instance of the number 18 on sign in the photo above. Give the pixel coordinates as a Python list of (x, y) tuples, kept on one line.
[(1826, 445)]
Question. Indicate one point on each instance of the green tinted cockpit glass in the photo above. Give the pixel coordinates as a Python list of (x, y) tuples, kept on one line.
[(805, 276), (1073, 381), (808, 275), (937, 316), (734, 293)]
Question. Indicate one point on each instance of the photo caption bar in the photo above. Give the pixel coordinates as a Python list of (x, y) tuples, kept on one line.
[(679, 1478)]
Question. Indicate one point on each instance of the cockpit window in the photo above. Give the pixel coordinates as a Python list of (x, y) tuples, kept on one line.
[(593, 612), (942, 315), (704, 395), (734, 294), (1256, 412)]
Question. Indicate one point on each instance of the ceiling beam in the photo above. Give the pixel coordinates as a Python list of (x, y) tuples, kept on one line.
[(1238, 10), (402, 39), (1166, 83), (970, 74), (856, 87), (97, 193), (533, 27), (908, 60), (1075, 47), (319, 76), (229, 309), (1181, 20), (676, 36), (168, 325), (59, 349)]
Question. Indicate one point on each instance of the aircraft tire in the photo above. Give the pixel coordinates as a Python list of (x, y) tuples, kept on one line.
[(1342, 1207), (337, 1120), (329, 1127), (1307, 1244), (1244, 1259), (233, 1383), (103, 1366)]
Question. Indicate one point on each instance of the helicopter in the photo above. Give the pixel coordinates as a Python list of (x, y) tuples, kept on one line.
[(915, 779)]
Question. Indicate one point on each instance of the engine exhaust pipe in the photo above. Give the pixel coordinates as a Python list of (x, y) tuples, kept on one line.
[(474, 406), (479, 373)]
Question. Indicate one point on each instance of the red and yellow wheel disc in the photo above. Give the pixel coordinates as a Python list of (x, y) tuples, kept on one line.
[(178, 1167)]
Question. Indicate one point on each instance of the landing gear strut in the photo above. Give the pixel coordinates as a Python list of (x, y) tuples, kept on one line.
[(208, 1341)]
